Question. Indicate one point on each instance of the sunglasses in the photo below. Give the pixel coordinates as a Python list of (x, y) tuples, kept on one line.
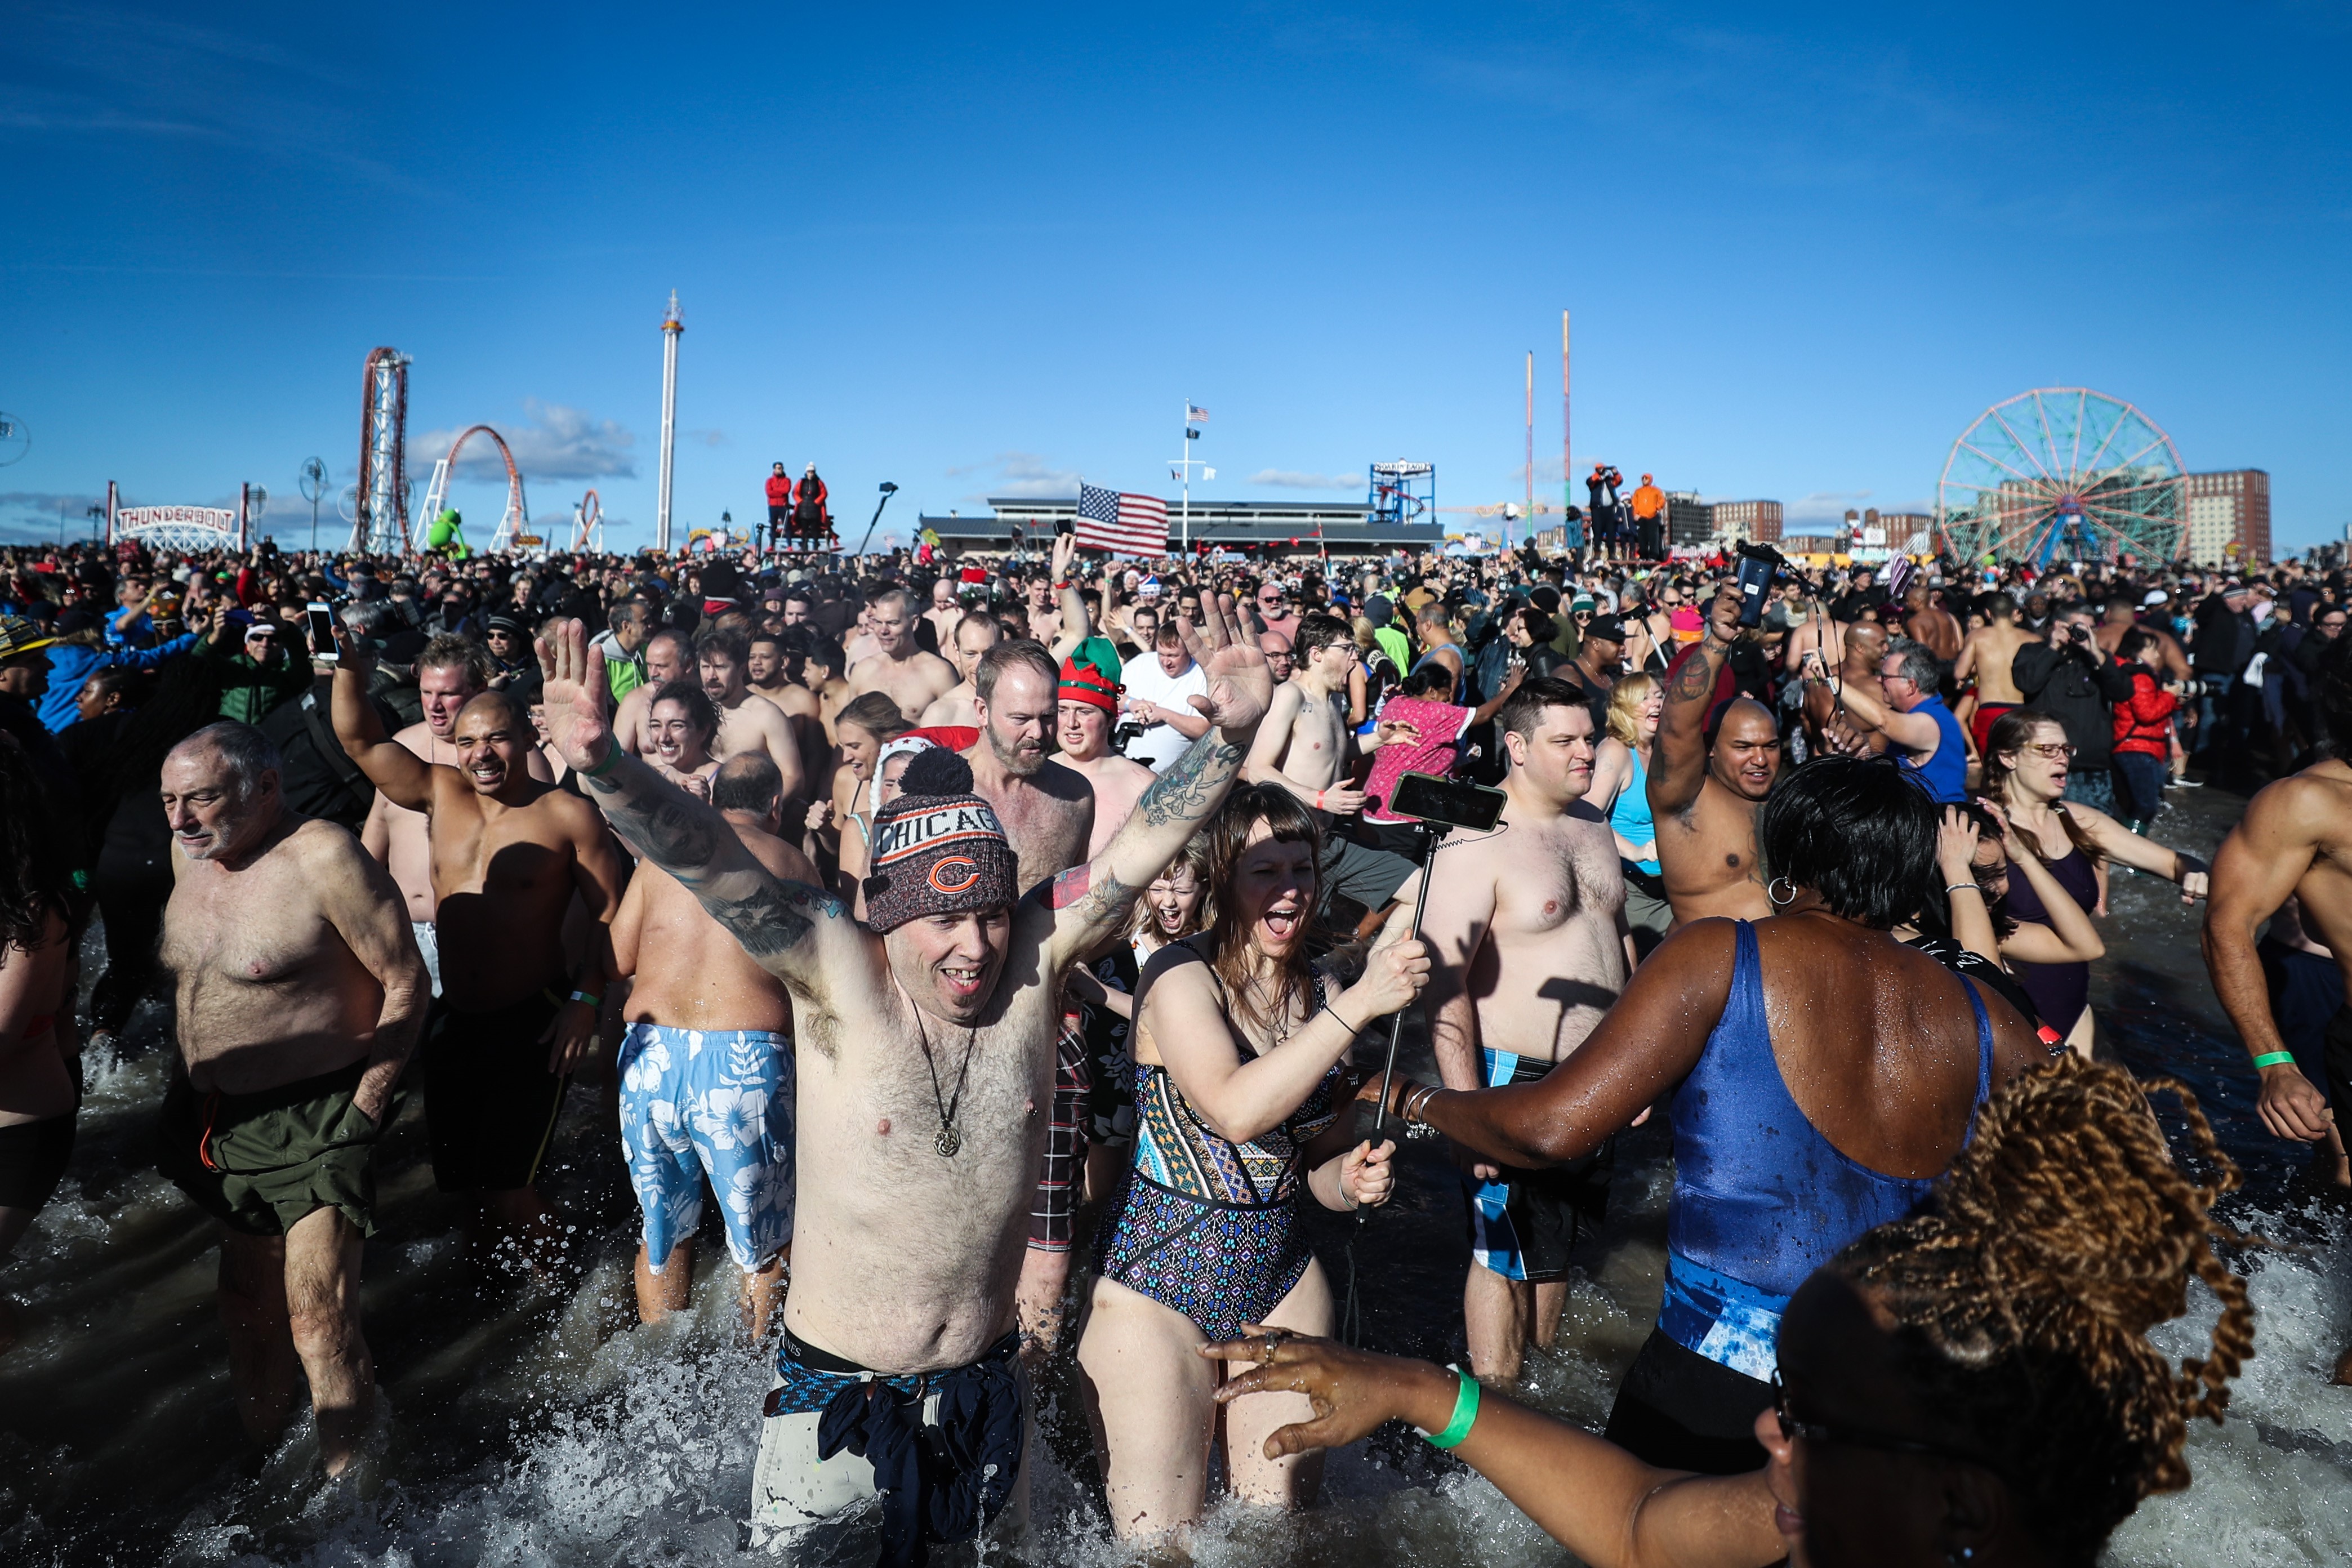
[(1793, 1428)]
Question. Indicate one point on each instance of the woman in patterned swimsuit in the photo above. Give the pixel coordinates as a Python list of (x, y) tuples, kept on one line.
[(1239, 1103)]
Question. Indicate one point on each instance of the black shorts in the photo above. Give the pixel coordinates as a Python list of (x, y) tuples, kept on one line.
[(33, 1156), (261, 1162), (1353, 870), (1679, 1411), (1523, 1224), (490, 1104), (1052, 1217), (2308, 1005)]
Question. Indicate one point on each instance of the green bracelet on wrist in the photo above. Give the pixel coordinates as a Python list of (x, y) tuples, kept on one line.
[(584, 996), (1465, 1411), (2273, 1058), (600, 768)]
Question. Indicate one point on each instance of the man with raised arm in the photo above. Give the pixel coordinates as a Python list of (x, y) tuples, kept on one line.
[(926, 1060), (509, 852), (979, 631), (915, 680), (1086, 711), (299, 995), (1715, 766), (450, 672), (747, 721), (1528, 947)]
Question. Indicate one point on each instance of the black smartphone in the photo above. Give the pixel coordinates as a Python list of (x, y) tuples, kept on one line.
[(318, 616), (1065, 525), (1758, 564), (1455, 802)]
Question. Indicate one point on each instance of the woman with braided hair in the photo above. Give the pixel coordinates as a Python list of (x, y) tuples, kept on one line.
[(1972, 1385)]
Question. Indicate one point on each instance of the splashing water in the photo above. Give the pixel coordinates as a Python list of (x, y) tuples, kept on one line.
[(542, 1427)]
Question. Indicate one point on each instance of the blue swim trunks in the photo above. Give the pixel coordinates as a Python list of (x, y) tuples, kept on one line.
[(715, 1102), (1524, 1225)]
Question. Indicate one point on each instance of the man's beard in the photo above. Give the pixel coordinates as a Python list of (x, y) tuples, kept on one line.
[(1015, 761)]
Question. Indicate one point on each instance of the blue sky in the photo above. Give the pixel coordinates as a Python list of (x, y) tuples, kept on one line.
[(979, 250)]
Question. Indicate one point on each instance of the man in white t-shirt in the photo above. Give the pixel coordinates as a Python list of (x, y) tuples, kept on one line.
[(1156, 690)]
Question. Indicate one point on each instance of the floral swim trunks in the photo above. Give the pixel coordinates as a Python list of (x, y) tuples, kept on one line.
[(716, 1102)]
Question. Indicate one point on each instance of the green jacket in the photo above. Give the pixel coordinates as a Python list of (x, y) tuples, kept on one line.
[(248, 691)]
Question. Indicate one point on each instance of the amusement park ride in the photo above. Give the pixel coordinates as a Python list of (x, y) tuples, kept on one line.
[(2062, 472)]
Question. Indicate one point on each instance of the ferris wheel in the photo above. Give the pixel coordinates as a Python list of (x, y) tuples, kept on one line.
[(2062, 472)]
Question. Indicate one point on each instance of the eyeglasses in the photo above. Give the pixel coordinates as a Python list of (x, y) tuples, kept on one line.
[(1792, 1429), (2050, 750)]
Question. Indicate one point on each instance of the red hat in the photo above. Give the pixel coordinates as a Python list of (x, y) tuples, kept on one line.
[(1085, 683)]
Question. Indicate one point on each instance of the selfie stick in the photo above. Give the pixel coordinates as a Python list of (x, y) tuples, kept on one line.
[(1430, 832)]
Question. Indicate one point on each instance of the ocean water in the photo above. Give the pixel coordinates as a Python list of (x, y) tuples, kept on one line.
[(530, 1428)]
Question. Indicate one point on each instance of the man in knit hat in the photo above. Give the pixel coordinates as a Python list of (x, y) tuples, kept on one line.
[(926, 1060)]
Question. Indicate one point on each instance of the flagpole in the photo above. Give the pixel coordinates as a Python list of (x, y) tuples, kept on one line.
[(1186, 469)]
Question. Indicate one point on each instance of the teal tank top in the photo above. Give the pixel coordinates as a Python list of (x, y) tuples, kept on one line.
[(1631, 815)]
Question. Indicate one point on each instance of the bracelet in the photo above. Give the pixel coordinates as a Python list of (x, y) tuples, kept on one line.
[(584, 996), (2273, 1058), (600, 768), (1319, 798), (1352, 1030), (1465, 1411), (1963, 887), (1416, 1100)]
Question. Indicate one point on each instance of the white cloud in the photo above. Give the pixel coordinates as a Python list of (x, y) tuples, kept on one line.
[(1023, 474), (1292, 479), (559, 443)]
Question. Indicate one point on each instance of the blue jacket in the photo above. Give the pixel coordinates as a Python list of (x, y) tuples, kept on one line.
[(71, 664)]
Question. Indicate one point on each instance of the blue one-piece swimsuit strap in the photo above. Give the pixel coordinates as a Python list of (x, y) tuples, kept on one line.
[(1761, 1199)]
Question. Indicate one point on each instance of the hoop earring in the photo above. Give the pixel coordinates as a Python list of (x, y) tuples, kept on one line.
[(1778, 902)]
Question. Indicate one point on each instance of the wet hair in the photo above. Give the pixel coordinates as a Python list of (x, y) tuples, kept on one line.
[(977, 618), (2023, 1296), (248, 752), (1008, 653), (1935, 916), (1523, 710), (35, 880), (1194, 857), (1861, 834), (1316, 632), (1225, 943), (726, 642), (876, 712), (1625, 699), (748, 781), (700, 711), (450, 651), (2011, 732), (1999, 607)]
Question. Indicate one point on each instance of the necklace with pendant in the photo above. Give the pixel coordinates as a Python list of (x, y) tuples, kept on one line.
[(949, 1140)]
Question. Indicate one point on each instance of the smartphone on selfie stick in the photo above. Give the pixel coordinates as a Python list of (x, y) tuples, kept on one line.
[(1759, 566), (318, 620), (1438, 806)]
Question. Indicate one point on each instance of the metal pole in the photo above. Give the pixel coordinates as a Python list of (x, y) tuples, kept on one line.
[(672, 325), (1185, 468), (1566, 458), (877, 518), (1430, 833), (1532, 455)]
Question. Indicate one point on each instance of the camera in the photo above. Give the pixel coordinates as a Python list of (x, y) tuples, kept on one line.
[(1760, 564), (1129, 732)]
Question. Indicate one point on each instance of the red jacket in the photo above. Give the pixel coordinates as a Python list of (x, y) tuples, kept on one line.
[(2144, 721), (780, 490)]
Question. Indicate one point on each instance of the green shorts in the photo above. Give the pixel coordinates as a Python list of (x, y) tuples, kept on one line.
[(259, 1163)]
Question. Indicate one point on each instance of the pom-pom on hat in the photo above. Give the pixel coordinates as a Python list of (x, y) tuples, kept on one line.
[(938, 848)]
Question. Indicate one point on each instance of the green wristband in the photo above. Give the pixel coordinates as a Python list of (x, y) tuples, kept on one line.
[(600, 768), (2273, 1058), (1465, 1411), (584, 996)]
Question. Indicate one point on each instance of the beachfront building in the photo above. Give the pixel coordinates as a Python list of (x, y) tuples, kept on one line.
[(2226, 509), (1271, 527)]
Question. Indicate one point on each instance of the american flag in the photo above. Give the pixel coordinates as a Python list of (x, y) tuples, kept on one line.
[(1129, 525), (1195, 415)]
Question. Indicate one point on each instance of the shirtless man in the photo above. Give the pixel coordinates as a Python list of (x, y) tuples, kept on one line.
[(747, 721), (300, 994), (1925, 620), (1866, 647), (915, 680), (913, 1185), (1304, 746), (944, 612), (450, 672), (508, 853), (771, 663), (1986, 654), (669, 655), (707, 1067), (1703, 790), (1528, 947), (973, 635), (1086, 711), (1048, 815), (2124, 613)]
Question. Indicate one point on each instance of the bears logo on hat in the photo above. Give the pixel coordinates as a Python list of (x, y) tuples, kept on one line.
[(938, 848)]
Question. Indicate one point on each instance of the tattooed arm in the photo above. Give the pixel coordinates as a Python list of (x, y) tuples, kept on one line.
[(796, 932), (1087, 902), (1678, 765)]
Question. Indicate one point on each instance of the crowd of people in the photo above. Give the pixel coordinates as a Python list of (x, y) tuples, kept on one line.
[(999, 943)]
